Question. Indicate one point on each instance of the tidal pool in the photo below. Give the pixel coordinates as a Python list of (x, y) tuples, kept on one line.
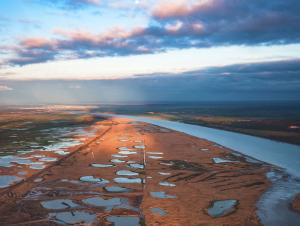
[(117, 189), (124, 180), (109, 204), (98, 165), (124, 149), (74, 217), (127, 152), (92, 179), (7, 180), (154, 153), (124, 220), (222, 208), (168, 184), (117, 161), (159, 211), (155, 157), (119, 156), (126, 173), (164, 173), (161, 195), (221, 160), (48, 159), (59, 204), (136, 166)]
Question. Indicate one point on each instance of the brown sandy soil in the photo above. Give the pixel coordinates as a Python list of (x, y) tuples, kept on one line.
[(296, 203), (198, 181)]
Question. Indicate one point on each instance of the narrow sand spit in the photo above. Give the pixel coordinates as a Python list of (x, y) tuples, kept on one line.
[(168, 179)]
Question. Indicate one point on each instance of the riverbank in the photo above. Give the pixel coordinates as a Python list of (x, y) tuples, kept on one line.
[(137, 172)]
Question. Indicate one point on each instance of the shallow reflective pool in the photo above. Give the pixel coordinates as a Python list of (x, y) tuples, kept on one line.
[(221, 208)]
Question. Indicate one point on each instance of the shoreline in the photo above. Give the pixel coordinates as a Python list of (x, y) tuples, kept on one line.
[(207, 181)]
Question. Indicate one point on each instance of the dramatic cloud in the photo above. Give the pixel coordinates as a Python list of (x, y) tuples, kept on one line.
[(261, 81), (176, 25)]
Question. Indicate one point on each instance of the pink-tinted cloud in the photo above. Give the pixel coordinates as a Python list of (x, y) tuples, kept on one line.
[(182, 24)]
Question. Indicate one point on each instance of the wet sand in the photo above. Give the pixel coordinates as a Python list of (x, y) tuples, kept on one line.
[(179, 182)]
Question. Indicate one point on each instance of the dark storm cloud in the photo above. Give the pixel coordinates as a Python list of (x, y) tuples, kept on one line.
[(259, 81), (177, 26)]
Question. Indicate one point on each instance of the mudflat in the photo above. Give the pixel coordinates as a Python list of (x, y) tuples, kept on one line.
[(133, 173)]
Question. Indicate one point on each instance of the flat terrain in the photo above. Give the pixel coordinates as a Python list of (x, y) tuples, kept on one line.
[(142, 175), (278, 121)]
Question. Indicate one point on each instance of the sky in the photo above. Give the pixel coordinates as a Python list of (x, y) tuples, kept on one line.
[(148, 50)]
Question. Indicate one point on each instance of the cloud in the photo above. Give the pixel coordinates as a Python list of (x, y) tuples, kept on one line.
[(274, 81), (5, 88), (182, 24)]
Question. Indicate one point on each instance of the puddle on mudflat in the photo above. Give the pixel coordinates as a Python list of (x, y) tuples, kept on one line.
[(124, 180), (37, 180), (9, 161), (58, 204), (119, 156), (164, 173), (124, 149), (154, 153), (22, 173), (205, 149), (168, 184), (166, 163), (74, 217), (38, 156), (62, 152), (117, 189), (127, 152), (92, 179), (221, 160), (48, 159), (117, 161), (222, 208), (37, 166), (109, 204), (155, 157), (139, 146), (136, 166), (7, 180), (126, 173), (97, 165), (161, 195), (159, 211), (124, 220)]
